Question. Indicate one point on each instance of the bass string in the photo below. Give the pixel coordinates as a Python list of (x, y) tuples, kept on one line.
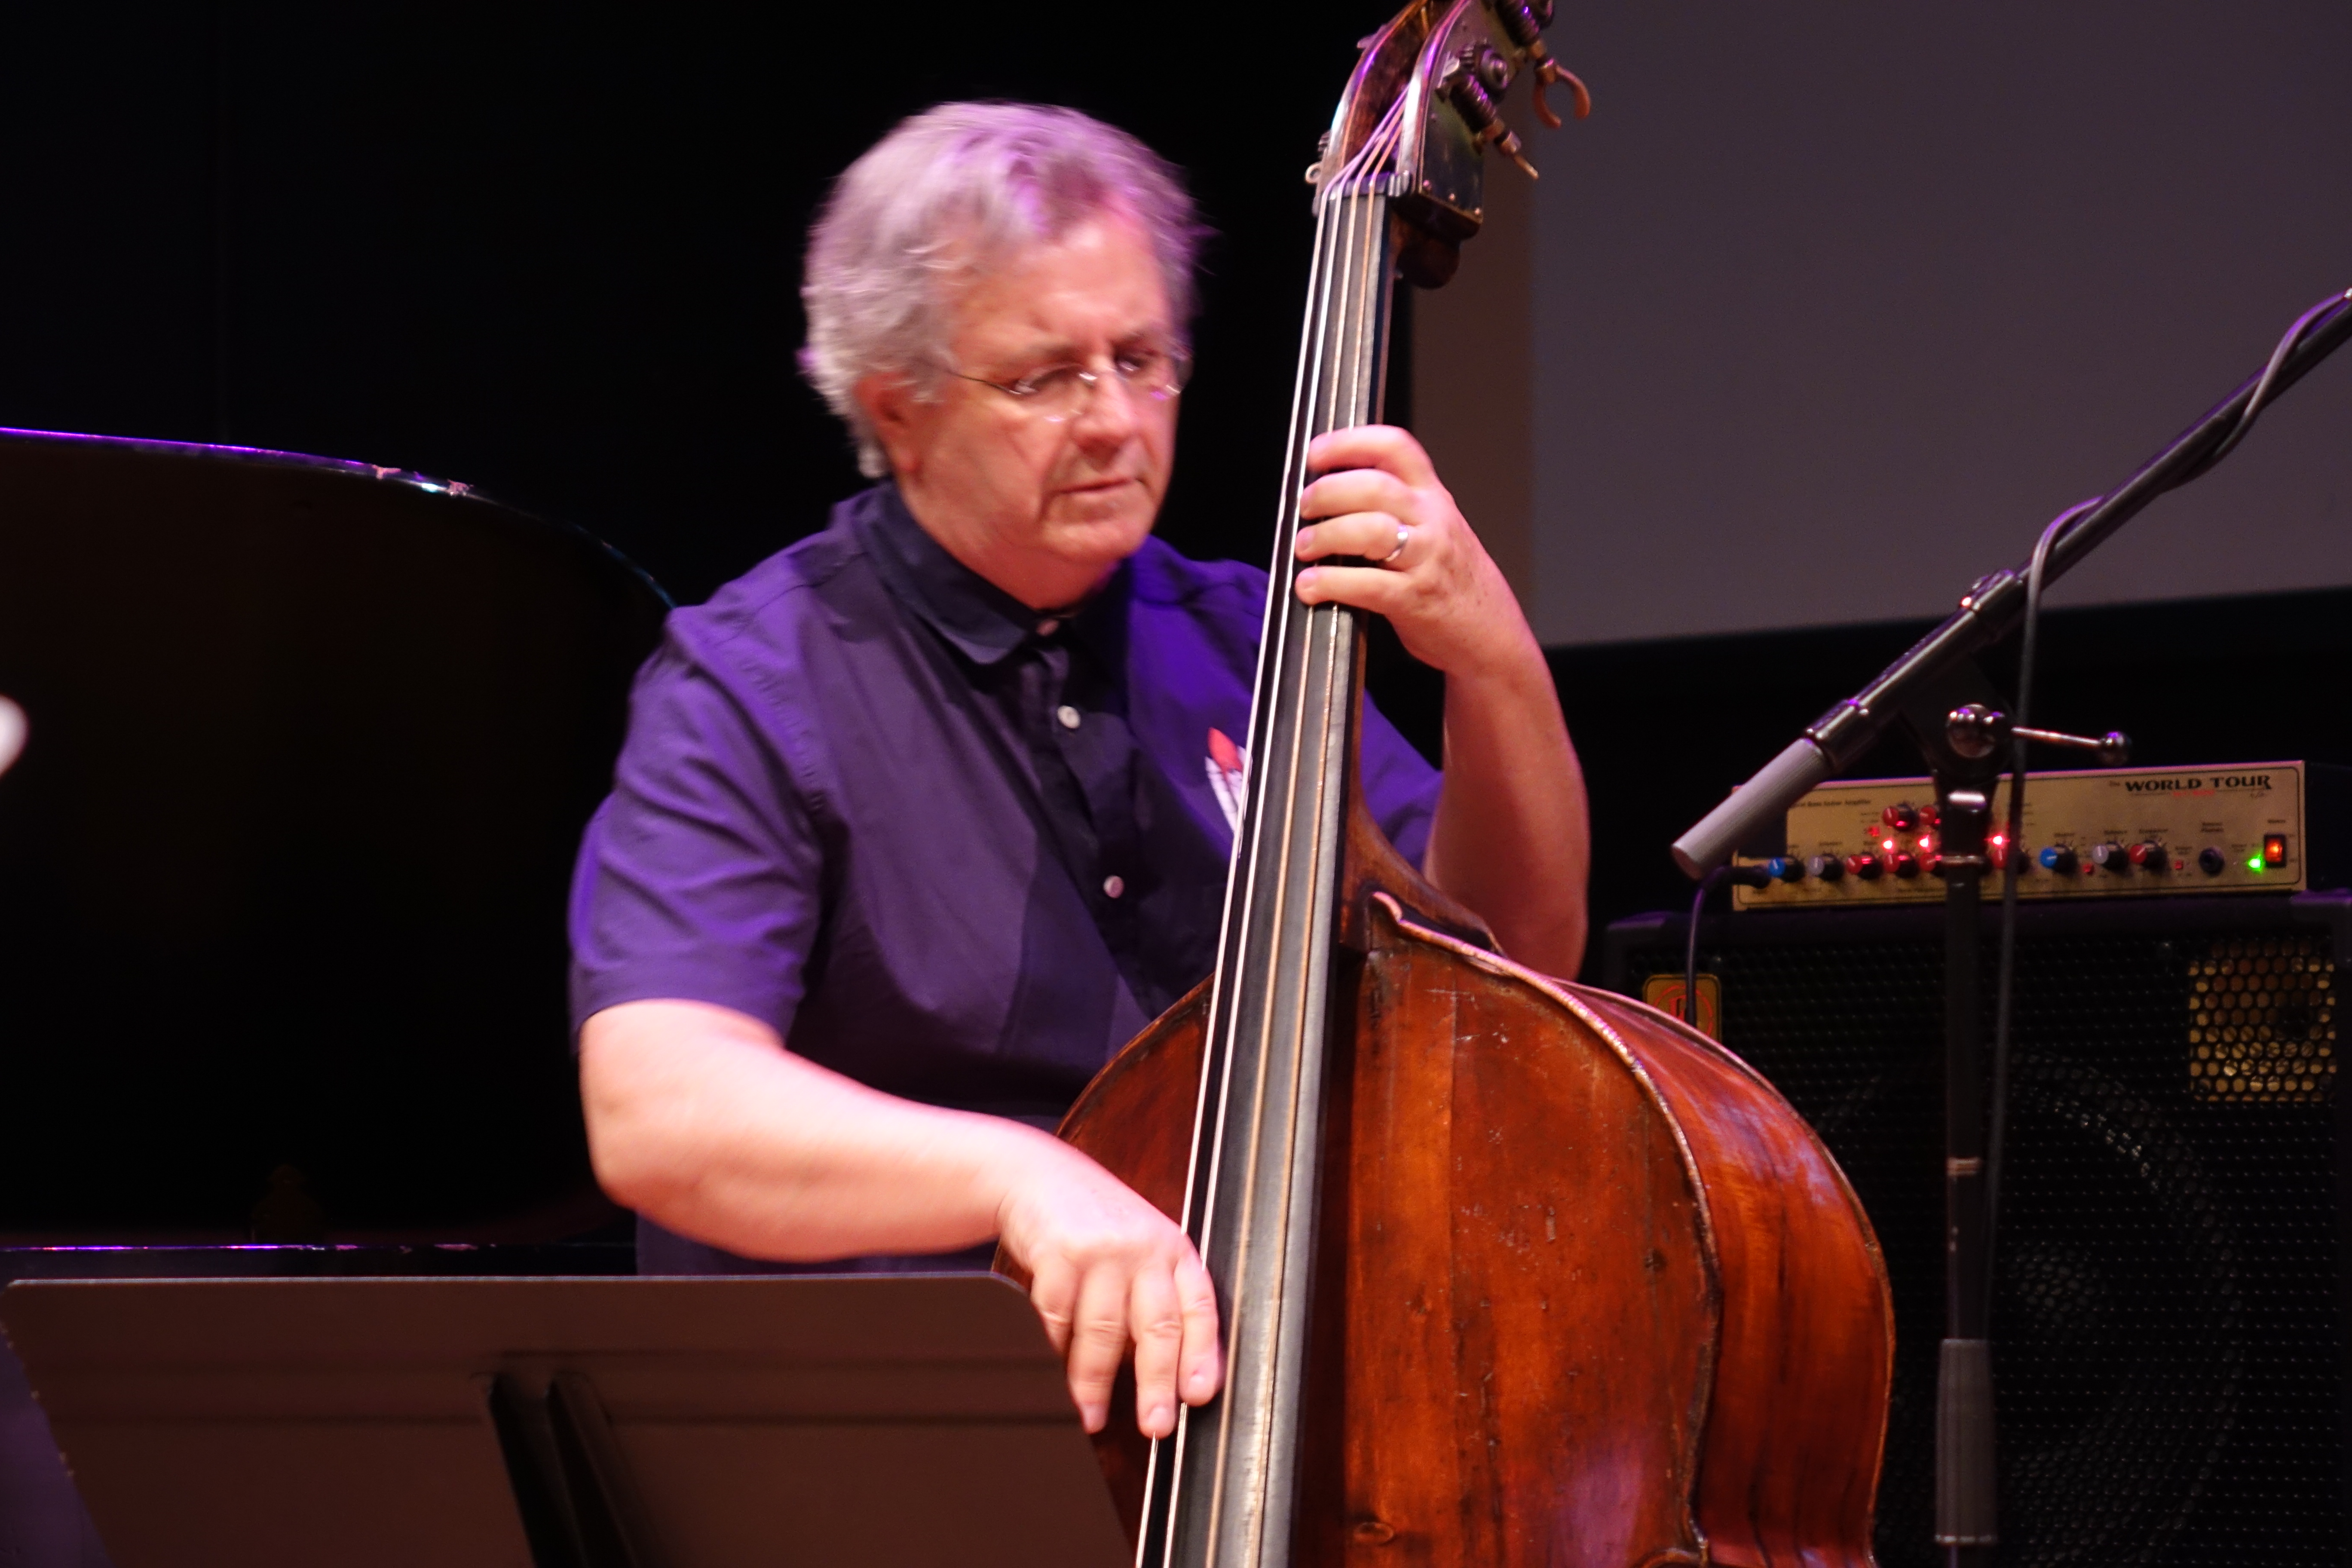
[(1275, 679), (1270, 830), (1320, 736), (1357, 296), (1308, 766), (1208, 1133), (1335, 359), (1279, 683), (1317, 770), (1347, 280), (1275, 652), (1328, 368), (1352, 394), (1250, 1292)]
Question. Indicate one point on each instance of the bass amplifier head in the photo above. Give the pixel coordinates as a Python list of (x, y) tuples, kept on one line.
[(2169, 1323)]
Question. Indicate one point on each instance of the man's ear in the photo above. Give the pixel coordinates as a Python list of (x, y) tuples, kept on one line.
[(895, 408)]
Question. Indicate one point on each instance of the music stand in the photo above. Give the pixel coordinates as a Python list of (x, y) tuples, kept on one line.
[(566, 1423)]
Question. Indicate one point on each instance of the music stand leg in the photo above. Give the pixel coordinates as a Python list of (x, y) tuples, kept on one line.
[(570, 1489)]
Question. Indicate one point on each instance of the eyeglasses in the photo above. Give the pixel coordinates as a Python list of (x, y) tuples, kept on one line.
[(1061, 393)]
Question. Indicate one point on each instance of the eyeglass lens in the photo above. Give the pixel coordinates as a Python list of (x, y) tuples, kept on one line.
[(1060, 394)]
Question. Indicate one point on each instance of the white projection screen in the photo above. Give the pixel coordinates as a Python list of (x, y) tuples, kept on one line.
[(1829, 307)]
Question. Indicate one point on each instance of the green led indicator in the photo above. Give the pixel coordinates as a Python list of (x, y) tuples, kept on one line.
[(2255, 864)]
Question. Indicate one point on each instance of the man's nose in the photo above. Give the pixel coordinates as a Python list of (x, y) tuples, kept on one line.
[(1108, 417)]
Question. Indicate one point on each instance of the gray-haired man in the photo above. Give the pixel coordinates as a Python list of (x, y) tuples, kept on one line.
[(923, 818)]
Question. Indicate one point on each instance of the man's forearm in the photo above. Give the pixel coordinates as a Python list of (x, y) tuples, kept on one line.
[(1511, 839), (698, 1119)]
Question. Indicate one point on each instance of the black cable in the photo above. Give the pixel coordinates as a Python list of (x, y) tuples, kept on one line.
[(2021, 717), (1690, 950), (2262, 393), (2265, 386), (2013, 836)]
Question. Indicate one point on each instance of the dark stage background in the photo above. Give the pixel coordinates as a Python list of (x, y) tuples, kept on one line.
[(555, 255), (555, 252)]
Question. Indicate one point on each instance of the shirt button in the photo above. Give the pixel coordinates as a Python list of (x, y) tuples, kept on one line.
[(1069, 717), (1114, 886)]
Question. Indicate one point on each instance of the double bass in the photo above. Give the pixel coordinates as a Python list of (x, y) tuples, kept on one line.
[(1511, 1271)]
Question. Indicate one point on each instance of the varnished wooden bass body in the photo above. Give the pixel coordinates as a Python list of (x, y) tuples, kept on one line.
[(1591, 1292)]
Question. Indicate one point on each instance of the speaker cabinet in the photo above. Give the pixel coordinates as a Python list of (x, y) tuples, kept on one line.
[(2169, 1323)]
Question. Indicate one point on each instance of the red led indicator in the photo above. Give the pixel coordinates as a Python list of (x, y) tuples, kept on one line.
[(1927, 841), (2273, 849)]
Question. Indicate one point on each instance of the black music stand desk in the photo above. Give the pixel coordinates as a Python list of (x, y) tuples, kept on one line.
[(566, 1423)]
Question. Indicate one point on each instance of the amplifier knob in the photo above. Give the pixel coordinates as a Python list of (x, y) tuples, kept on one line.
[(2111, 857), (1906, 866), (1867, 867), (1783, 869), (2150, 856), (2210, 860), (1828, 868), (2058, 857), (1902, 816)]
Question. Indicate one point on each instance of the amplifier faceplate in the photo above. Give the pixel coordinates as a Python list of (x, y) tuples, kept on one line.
[(2102, 833)]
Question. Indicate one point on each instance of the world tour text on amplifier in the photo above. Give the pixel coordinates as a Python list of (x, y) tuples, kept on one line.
[(2251, 827)]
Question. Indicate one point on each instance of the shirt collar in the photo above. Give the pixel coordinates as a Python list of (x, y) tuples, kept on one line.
[(978, 619)]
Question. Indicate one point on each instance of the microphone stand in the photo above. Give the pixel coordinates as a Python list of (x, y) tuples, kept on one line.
[(1838, 739), (1938, 694)]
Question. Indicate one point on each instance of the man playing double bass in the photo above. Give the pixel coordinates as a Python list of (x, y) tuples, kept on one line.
[(924, 817)]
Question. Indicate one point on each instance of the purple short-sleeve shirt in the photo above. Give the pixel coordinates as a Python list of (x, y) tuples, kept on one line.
[(953, 849)]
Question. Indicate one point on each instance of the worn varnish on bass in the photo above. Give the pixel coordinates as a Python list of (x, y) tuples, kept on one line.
[(1511, 1271)]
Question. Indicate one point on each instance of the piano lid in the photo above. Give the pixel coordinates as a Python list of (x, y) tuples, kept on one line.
[(283, 864)]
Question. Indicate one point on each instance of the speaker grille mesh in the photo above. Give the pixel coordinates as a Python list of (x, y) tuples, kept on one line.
[(2166, 1325), (2261, 1019)]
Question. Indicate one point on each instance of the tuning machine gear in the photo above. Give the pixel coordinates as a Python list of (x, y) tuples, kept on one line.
[(1523, 22), (1473, 84)]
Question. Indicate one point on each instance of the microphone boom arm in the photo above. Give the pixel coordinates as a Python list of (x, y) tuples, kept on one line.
[(1839, 737)]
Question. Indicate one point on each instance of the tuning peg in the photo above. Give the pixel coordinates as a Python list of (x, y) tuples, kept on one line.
[(1510, 147), (1523, 22), (1550, 73)]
